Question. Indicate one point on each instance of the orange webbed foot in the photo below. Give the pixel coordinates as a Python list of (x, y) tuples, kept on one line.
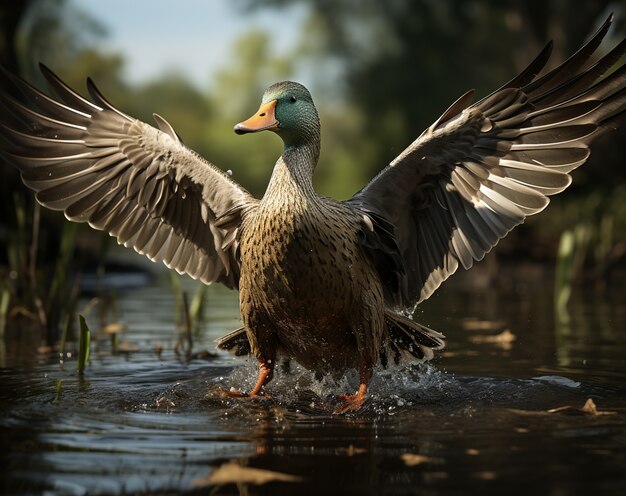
[(265, 375), (352, 402), (233, 393), (349, 403)]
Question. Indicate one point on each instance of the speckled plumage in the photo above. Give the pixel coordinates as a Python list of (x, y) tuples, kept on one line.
[(307, 289)]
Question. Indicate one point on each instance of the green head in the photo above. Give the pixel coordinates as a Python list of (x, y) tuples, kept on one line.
[(287, 109)]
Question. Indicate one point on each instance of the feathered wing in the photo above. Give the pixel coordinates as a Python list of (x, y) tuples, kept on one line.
[(123, 176), (481, 169)]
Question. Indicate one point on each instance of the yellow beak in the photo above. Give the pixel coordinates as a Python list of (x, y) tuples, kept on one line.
[(262, 120)]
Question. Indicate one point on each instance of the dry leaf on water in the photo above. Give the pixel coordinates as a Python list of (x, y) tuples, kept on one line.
[(233, 473), (113, 328), (589, 408), (412, 459), (503, 340), (474, 324), (351, 450)]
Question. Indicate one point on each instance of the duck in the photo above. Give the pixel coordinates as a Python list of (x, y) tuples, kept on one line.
[(330, 284)]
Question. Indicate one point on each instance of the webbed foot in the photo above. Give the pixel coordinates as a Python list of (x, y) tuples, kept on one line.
[(349, 403), (233, 393), (265, 375)]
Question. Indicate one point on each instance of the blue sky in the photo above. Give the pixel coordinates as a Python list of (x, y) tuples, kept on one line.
[(158, 36)]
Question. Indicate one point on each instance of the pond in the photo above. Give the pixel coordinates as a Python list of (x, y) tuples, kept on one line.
[(498, 411)]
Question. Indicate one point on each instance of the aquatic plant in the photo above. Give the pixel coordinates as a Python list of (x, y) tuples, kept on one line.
[(592, 244), (84, 344), (188, 315)]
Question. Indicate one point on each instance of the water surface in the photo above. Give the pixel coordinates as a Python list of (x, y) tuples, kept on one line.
[(476, 419)]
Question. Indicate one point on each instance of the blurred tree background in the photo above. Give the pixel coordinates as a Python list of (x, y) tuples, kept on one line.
[(381, 72)]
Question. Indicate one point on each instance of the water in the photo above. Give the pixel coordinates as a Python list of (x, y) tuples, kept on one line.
[(474, 420)]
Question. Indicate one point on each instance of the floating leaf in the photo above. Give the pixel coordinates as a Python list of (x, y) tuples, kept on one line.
[(589, 408), (113, 328), (504, 340), (413, 459), (474, 324), (351, 450), (232, 473)]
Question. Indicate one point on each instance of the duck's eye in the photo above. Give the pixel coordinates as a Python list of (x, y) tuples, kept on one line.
[(293, 99)]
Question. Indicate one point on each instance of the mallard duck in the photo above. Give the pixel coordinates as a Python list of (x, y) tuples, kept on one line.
[(324, 282)]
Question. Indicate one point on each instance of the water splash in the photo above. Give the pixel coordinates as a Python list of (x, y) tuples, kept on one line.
[(397, 388)]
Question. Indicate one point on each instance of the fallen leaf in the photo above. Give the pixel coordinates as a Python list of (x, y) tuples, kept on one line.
[(504, 340), (412, 459), (232, 473), (472, 451), (351, 450), (473, 324), (589, 408), (114, 328)]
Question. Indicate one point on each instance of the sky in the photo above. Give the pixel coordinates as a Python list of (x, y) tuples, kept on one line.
[(158, 36)]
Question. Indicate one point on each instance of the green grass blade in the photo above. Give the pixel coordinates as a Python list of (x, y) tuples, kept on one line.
[(83, 347)]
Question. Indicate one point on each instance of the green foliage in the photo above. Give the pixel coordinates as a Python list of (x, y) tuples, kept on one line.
[(84, 345), (56, 298), (57, 33), (5, 298), (189, 315)]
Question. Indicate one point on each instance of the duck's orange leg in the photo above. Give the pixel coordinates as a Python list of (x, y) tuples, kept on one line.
[(353, 402), (266, 371)]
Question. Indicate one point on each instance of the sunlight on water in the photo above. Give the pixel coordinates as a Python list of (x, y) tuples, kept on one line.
[(408, 386), (484, 412)]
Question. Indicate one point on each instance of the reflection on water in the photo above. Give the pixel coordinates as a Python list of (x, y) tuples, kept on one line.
[(476, 419)]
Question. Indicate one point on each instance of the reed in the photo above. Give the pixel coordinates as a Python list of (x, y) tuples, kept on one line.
[(189, 315), (5, 298), (84, 345), (564, 275)]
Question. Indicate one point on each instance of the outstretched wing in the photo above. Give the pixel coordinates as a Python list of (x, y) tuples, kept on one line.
[(125, 177), (481, 169)]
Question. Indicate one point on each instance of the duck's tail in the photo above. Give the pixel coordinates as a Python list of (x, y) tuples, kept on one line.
[(404, 340), (408, 340), (235, 342)]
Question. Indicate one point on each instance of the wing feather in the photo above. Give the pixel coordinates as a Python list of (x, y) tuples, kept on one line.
[(138, 183), (481, 169)]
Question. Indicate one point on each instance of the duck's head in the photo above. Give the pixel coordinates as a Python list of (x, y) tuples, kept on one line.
[(287, 109)]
